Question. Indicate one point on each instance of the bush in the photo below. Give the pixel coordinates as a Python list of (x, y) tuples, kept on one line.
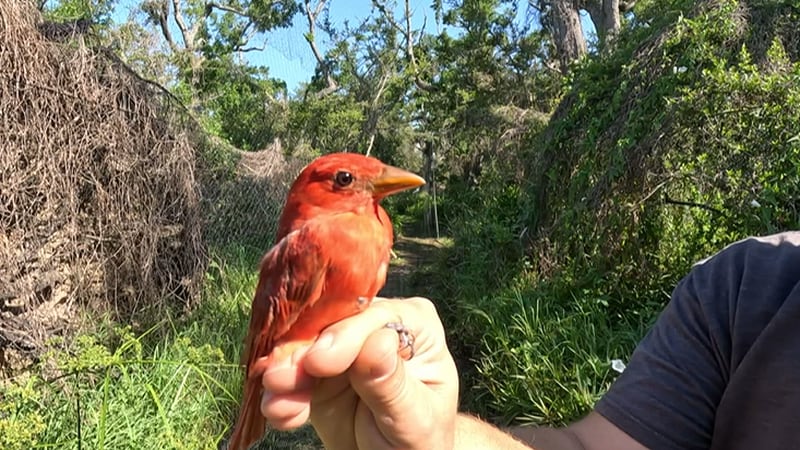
[(682, 140)]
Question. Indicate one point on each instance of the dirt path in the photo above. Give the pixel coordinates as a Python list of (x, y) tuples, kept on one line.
[(412, 254)]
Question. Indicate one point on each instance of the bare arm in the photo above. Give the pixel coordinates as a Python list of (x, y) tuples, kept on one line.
[(594, 432)]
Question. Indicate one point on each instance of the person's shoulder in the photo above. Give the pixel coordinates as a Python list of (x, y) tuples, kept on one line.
[(758, 272), (786, 243)]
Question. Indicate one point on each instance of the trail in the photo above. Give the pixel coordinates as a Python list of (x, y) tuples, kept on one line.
[(411, 254)]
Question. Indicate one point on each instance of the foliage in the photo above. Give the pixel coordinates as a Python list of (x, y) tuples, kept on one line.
[(98, 11), (660, 153), (172, 386), (244, 104), (572, 204), (328, 124), (559, 352), (490, 86)]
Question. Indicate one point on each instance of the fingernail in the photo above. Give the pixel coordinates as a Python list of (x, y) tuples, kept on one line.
[(324, 342)]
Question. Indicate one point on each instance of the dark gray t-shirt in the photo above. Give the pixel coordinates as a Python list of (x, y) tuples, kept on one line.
[(721, 367)]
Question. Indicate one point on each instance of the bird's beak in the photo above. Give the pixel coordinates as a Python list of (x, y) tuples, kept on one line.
[(393, 180)]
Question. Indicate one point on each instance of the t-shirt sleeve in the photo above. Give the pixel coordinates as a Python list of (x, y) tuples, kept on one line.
[(667, 396)]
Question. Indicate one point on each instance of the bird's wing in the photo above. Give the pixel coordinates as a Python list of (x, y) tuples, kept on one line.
[(291, 279)]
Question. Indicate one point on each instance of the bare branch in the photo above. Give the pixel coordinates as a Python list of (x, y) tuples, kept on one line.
[(373, 120), (178, 10), (389, 17), (312, 16), (227, 8), (161, 13), (671, 201), (248, 31), (408, 35), (251, 49)]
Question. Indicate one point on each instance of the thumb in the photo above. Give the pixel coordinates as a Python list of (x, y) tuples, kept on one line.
[(378, 376)]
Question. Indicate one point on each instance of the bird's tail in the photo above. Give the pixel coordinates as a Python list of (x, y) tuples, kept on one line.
[(250, 425)]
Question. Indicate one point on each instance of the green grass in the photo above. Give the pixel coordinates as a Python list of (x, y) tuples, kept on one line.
[(175, 385), (544, 361)]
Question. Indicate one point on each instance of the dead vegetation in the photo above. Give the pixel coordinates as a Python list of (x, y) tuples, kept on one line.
[(99, 203)]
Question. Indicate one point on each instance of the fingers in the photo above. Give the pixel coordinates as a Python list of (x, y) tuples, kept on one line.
[(362, 341), (287, 389), (398, 404), (286, 374), (287, 411), (340, 344), (377, 374)]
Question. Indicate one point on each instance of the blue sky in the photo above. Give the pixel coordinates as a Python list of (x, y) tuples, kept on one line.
[(289, 57), (286, 53)]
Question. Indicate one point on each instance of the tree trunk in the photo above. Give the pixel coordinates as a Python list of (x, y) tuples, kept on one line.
[(606, 16), (565, 22)]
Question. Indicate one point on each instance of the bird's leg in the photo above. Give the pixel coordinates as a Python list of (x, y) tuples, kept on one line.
[(406, 339)]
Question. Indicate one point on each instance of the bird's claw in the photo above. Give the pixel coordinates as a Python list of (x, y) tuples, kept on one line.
[(406, 339)]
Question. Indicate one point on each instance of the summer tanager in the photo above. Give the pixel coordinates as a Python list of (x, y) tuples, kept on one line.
[(330, 260)]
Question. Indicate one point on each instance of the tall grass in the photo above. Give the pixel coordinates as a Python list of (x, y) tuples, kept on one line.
[(542, 361), (175, 385)]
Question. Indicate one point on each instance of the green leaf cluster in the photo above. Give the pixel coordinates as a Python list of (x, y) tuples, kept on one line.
[(679, 142)]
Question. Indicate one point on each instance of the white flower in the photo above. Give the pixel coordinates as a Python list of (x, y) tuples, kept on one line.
[(754, 203)]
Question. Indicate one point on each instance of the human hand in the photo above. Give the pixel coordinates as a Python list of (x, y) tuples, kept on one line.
[(360, 393)]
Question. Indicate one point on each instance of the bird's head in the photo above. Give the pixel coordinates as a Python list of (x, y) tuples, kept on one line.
[(341, 182)]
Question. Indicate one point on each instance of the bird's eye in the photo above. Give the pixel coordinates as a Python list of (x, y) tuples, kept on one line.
[(343, 178)]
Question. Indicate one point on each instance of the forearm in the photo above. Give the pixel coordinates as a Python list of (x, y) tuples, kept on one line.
[(472, 433)]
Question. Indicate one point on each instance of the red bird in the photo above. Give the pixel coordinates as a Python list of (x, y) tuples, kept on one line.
[(330, 260)]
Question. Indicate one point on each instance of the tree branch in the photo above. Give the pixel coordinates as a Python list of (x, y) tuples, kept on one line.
[(178, 11), (160, 12), (670, 201), (251, 49), (373, 113), (244, 38), (226, 8), (312, 16), (408, 36)]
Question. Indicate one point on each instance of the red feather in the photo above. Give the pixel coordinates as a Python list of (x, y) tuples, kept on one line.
[(331, 259)]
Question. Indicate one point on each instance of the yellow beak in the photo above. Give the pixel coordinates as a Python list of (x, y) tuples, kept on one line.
[(393, 180)]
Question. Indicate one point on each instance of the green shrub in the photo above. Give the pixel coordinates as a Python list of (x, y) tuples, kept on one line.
[(682, 140)]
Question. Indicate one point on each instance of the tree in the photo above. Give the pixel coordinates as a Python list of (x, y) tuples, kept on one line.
[(246, 107), (212, 29), (562, 19), (356, 99), (488, 80), (68, 19)]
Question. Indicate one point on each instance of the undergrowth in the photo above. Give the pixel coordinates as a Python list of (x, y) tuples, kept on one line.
[(175, 385), (662, 152), (681, 141)]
